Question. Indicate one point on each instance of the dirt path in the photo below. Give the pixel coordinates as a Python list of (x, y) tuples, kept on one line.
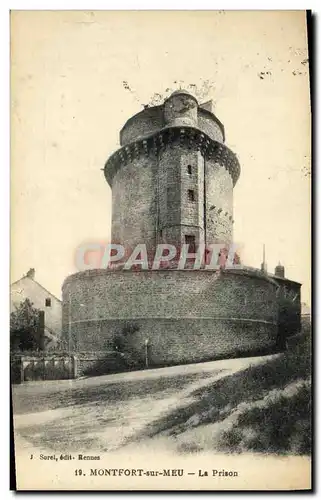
[(104, 413)]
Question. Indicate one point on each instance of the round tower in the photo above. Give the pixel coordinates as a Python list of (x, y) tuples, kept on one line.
[(180, 109), (172, 178), (172, 181)]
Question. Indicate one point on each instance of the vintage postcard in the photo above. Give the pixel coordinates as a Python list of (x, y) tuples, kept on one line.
[(160, 333)]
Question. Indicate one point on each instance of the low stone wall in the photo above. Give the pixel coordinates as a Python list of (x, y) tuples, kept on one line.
[(95, 363), (27, 367)]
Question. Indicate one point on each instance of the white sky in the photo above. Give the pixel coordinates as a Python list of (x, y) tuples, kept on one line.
[(69, 103)]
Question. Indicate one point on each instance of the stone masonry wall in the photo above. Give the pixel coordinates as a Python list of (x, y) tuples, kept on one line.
[(180, 110), (289, 302), (146, 122), (169, 188), (209, 126), (192, 212), (134, 203), (219, 204), (175, 341), (178, 215), (151, 202), (186, 315), (150, 120)]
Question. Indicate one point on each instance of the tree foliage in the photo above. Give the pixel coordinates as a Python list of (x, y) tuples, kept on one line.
[(24, 327)]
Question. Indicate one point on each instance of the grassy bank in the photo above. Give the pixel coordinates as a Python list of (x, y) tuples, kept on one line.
[(264, 408)]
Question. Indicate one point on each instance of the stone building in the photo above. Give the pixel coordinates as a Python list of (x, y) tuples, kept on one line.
[(28, 288), (172, 182)]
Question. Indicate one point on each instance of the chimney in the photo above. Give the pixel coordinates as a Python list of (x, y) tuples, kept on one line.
[(263, 265), (279, 271), (31, 273)]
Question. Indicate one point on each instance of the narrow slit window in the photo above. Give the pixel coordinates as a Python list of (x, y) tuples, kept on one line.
[(191, 195), (189, 169), (190, 241)]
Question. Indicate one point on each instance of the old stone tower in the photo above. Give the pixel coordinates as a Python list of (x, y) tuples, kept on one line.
[(172, 179), (172, 182)]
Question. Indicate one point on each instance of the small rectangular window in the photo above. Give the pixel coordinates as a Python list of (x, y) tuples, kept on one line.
[(189, 169), (190, 241), (191, 195), (48, 302)]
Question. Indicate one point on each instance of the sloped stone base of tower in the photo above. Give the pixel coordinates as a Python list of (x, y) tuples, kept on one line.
[(170, 317)]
